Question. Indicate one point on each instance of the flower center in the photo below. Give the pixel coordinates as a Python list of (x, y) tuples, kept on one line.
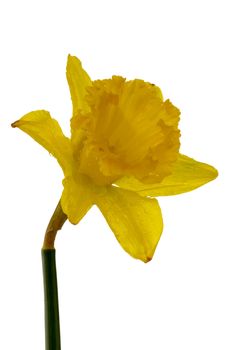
[(129, 131)]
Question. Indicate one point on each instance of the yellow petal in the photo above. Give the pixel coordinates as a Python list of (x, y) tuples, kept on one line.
[(47, 132), (136, 221), (78, 81), (77, 198), (187, 175)]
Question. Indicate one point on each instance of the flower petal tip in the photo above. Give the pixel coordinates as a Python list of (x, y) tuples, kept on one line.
[(69, 57), (212, 173), (18, 123), (15, 124), (215, 173), (148, 259)]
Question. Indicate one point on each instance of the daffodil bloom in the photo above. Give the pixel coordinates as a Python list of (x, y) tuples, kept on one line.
[(123, 152)]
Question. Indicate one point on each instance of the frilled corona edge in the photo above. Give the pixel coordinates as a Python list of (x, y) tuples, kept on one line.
[(123, 152)]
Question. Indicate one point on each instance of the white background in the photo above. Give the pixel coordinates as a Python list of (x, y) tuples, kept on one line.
[(182, 299)]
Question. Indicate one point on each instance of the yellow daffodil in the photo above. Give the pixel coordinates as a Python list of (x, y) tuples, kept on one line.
[(123, 152)]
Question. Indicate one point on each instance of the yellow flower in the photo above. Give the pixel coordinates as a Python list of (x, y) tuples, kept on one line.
[(123, 152)]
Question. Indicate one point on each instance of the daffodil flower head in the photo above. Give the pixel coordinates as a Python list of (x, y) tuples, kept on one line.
[(123, 152)]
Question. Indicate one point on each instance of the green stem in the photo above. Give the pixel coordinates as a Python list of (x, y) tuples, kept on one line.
[(51, 305)]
